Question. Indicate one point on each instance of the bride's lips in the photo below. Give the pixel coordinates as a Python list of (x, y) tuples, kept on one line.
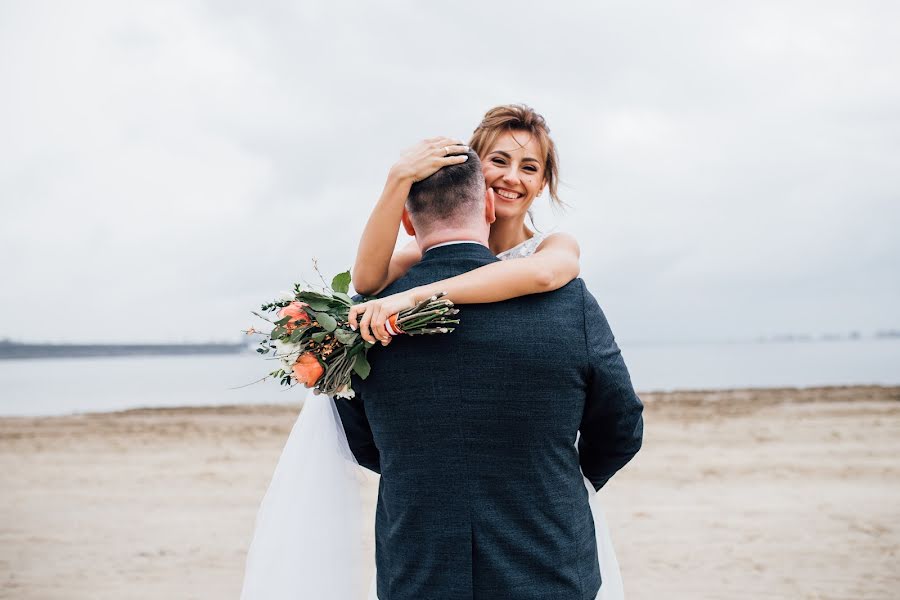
[(506, 194)]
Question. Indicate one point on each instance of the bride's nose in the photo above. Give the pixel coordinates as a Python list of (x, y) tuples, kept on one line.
[(511, 177)]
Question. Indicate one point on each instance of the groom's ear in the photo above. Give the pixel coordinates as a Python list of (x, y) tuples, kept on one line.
[(489, 215), (407, 223)]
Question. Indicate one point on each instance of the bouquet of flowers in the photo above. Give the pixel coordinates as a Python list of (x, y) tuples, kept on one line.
[(313, 340)]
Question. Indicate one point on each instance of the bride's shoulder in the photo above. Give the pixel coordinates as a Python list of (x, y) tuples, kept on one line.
[(554, 240), (560, 240)]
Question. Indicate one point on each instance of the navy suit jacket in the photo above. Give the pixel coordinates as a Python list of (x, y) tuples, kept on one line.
[(474, 433)]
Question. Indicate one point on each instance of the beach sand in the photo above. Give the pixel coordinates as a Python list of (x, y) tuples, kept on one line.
[(778, 493)]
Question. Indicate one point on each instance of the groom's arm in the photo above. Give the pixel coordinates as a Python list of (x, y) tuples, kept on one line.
[(356, 424), (612, 425), (359, 433)]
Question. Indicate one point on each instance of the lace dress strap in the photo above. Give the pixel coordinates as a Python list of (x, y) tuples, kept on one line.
[(526, 248)]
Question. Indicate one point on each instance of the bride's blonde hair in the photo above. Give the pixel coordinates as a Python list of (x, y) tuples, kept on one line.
[(519, 117)]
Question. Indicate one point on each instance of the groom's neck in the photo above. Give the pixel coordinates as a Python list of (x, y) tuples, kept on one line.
[(441, 236)]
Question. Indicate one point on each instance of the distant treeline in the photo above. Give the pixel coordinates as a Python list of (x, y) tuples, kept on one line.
[(10, 349)]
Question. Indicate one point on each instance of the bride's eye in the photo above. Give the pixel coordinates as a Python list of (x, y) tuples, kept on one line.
[(498, 161)]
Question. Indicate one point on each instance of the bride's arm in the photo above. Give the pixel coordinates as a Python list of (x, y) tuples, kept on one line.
[(553, 265), (377, 264), (373, 268), (402, 261)]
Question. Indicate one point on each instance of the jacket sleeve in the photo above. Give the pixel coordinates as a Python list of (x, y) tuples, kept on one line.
[(359, 433), (612, 424)]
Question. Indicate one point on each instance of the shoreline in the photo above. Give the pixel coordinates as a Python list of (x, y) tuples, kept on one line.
[(761, 396)]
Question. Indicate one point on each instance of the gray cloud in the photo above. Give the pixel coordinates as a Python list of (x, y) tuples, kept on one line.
[(732, 170)]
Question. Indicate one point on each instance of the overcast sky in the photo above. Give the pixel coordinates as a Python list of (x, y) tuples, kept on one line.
[(733, 168)]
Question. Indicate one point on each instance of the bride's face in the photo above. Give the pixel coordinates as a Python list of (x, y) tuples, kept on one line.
[(514, 169)]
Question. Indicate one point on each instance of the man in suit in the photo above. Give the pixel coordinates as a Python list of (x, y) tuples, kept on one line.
[(474, 432)]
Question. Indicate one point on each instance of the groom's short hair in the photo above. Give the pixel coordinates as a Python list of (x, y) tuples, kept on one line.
[(453, 195)]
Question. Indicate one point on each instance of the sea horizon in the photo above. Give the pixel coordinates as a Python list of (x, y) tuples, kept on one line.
[(14, 349), (87, 384)]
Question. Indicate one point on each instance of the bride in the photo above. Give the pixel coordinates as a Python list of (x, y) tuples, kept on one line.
[(308, 538)]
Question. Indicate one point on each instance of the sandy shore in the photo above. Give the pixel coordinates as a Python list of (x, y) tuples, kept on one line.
[(772, 494)]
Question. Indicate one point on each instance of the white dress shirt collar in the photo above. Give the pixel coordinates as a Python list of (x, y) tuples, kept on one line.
[(450, 243)]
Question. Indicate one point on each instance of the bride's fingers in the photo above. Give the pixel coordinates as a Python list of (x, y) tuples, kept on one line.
[(443, 156), (452, 147), (378, 329), (373, 324), (364, 330), (437, 142), (353, 315), (445, 147), (440, 145), (454, 159)]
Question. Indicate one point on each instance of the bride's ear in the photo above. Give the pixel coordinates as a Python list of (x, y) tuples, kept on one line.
[(489, 214), (407, 223)]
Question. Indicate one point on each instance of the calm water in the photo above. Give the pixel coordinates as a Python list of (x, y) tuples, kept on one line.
[(53, 387)]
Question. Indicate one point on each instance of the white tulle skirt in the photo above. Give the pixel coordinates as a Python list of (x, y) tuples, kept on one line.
[(309, 540)]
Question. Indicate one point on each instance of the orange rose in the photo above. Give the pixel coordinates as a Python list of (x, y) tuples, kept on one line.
[(307, 370), (295, 311)]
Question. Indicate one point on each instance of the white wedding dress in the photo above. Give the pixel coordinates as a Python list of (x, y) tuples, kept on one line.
[(309, 540)]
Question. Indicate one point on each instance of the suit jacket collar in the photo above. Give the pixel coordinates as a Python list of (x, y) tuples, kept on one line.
[(457, 251)]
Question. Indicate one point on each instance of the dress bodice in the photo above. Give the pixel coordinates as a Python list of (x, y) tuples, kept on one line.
[(526, 248)]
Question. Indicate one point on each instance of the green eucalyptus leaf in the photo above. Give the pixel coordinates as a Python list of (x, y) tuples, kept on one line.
[(341, 282), (277, 332), (313, 295), (326, 321), (318, 304), (347, 300), (361, 365), (345, 337), (318, 337), (283, 320)]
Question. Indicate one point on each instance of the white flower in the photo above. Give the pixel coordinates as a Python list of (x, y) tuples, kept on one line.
[(287, 352), (345, 392), (286, 348)]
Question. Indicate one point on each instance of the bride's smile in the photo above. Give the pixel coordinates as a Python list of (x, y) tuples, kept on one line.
[(507, 194)]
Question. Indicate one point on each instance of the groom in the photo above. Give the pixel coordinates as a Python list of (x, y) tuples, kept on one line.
[(474, 432)]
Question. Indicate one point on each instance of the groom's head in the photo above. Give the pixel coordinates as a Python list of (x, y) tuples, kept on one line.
[(452, 203)]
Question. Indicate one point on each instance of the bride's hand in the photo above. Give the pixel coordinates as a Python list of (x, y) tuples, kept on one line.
[(428, 156), (373, 315)]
